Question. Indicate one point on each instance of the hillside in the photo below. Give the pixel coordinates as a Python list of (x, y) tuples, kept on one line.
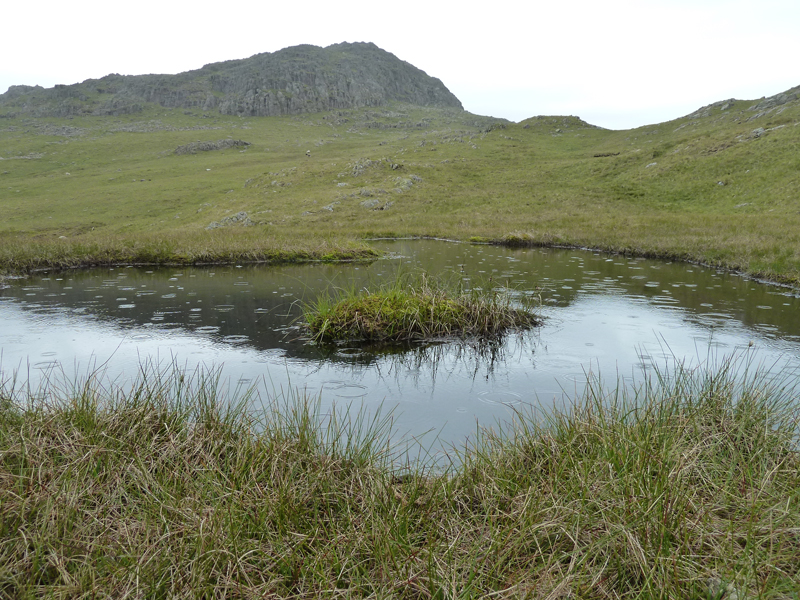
[(720, 186), (294, 80)]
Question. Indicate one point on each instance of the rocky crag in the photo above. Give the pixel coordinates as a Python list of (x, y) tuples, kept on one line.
[(295, 80)]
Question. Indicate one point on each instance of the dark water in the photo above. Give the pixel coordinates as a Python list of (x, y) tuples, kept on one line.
[(602, 314)]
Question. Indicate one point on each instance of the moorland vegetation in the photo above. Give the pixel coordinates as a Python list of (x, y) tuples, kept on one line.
[(719, 186), (684, 488)]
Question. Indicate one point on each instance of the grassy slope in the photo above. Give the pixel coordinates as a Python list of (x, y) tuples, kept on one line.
[(538, 181)]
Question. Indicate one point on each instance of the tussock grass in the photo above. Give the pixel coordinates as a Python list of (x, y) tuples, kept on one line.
[(684, 488), (414, 308)]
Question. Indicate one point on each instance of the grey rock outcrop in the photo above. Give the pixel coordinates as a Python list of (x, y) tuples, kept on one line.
[(706, 111), (196, 147), (765, 104), (240, 218), (777, 99), (295, 80)]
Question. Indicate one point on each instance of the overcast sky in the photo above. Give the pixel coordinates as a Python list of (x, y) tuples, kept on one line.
[(616, 63)]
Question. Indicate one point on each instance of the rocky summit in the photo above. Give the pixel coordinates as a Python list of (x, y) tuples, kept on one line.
[(295, 80)]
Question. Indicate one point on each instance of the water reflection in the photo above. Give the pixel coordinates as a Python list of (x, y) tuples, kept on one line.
[(613, 315)]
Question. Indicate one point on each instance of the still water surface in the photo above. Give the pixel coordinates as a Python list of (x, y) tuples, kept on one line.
[(604, 314)]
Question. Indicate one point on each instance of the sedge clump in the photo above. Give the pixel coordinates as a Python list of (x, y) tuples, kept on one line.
[(414, 310)]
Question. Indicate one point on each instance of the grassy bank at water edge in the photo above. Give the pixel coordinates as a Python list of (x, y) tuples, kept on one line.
[(688, 487)]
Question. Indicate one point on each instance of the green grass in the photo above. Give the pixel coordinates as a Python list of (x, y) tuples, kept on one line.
[(23, 254), (651, 191), (414, 308), (684, 488)]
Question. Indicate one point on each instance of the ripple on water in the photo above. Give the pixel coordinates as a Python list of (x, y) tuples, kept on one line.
[(345, 389), (207, 329), (235, 339), (500, 397), (592, 287), (558, 363), (270, 357), (224, 307), (577, 377), (350, 352), (46, 365), (671, 324), (715, 344), (712, 319)]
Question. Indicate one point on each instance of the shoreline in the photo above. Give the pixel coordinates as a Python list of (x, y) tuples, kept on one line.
[(164, 488), (366, 254)]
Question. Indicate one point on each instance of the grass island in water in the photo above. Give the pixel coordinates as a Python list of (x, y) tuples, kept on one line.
[(409, 310)]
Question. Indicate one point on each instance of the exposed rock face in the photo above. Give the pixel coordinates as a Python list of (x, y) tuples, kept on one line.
[(196, 147), (706, 111), (765, 104), (777, 99), (295, 80)]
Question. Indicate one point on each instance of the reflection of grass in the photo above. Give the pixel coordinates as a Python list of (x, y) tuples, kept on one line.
[(685, 489), (412, 310), (478, 357)]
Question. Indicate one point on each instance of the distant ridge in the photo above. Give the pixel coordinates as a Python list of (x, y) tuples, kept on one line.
[(763, 105), (295, 80)]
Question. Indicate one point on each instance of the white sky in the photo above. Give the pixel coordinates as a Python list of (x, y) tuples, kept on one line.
[(617, 63)]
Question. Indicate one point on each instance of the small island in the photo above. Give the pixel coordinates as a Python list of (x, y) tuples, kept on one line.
[(412, 312)]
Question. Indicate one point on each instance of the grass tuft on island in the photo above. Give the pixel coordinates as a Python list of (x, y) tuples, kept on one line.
[(413, 309), (686, 487)]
